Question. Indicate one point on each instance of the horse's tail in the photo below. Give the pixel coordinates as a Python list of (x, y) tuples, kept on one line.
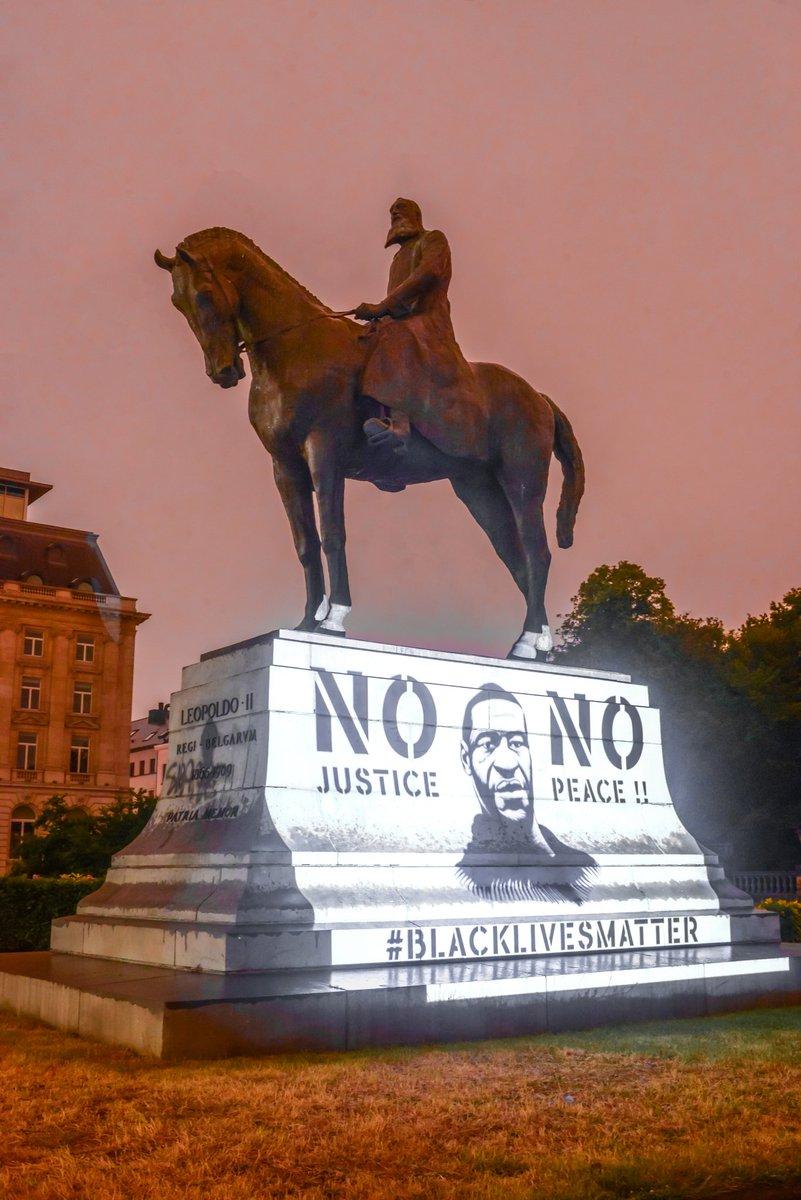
[(567, 451)]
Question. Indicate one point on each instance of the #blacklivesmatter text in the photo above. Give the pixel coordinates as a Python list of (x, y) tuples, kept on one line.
[(539, 937)]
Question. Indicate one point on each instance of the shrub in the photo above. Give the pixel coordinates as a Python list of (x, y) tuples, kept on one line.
[(66, 839), (790, 916), (27, 906)]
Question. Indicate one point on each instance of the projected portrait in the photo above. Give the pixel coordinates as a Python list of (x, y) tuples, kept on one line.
[(496, 756), (495, 753)]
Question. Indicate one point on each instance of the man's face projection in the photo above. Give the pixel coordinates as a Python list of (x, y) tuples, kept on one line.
[(497, 756)]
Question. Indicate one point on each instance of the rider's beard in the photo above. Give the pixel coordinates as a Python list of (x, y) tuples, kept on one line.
[(401, 230)]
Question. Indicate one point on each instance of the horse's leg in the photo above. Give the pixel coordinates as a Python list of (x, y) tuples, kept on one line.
[(295, 488), (480, 492), (525, 486), (328, 476)]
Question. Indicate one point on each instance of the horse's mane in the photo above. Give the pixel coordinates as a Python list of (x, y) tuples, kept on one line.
[(201, 239)]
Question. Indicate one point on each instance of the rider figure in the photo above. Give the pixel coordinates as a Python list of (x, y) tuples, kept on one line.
[(415, 368)]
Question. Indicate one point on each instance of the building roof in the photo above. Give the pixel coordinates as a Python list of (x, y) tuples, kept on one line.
[(60, 557), (23, 479), (146, 733)]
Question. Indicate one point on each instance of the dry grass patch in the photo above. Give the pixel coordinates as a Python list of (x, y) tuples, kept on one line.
[(678, 1109)]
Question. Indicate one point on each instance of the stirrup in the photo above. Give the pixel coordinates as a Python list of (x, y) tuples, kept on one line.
[(377, 429), (382, 434)]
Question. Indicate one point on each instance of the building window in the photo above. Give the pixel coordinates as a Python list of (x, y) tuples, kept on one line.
[(22, 819), (85, 648), (33, 643), (152, 769), (131, 769), (79, 756), (26, 752), (30, 695), (81, 697), (13, 501)]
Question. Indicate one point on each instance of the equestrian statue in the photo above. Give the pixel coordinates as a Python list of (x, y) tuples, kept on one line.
[(392, 401)]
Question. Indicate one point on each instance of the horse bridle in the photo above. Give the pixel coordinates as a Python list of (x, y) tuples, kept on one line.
[(225, 286)]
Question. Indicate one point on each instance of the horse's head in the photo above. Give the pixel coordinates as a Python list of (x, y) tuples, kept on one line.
[(209, 302)]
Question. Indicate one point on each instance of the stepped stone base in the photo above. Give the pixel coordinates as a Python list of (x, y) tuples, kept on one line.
[(185, 1014), (226, 949), (361, 844)]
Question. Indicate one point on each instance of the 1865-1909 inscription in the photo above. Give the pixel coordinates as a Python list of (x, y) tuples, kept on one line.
[(195, 772)]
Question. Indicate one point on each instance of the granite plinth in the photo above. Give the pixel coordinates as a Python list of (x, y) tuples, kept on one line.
[(182, 1014), (359, 844), (336, 803)]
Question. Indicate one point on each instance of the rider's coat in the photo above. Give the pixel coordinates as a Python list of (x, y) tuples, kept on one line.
[(415, 363)]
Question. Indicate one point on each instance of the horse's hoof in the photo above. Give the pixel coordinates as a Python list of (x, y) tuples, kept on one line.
[(531, 646), (536, 657), (307, 625), (333, 619)]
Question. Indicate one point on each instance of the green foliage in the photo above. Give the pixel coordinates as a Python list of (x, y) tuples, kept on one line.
[(119, 822), (66, 839), (27, 906), (764, 659), (612, 597), (730, 703), (60, 843), (790, 916)]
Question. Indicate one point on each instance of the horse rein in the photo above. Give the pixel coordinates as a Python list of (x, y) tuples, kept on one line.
[(243, 345)]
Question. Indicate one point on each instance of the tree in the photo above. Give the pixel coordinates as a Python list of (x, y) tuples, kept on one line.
[(613, 599), (119, 822), (728, 700), (764, 659), (68, 840)]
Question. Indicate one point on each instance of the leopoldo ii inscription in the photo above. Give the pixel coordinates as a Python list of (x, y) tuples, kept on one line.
[(338, 803)]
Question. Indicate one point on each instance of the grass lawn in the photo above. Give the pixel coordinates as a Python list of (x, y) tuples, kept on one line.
[(702, 1108)]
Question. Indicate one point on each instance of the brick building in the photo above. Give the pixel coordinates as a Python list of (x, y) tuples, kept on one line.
[(66, 666)]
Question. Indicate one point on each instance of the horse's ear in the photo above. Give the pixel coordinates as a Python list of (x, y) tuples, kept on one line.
[(162, 261), (187, 257)]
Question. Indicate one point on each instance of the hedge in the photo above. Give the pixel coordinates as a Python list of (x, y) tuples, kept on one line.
[(27, 906), (790, 916)]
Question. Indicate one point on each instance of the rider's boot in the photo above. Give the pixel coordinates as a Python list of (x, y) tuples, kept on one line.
[(391, 432)]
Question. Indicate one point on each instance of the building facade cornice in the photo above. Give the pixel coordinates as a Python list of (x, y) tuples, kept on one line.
[(42, 595)]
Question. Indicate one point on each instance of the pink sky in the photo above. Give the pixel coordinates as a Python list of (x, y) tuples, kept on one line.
[(620, 186)]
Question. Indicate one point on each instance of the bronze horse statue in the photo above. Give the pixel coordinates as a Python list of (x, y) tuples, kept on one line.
[(305, 404)]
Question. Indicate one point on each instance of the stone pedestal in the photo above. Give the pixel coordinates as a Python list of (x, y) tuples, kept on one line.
[(366, 836)]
